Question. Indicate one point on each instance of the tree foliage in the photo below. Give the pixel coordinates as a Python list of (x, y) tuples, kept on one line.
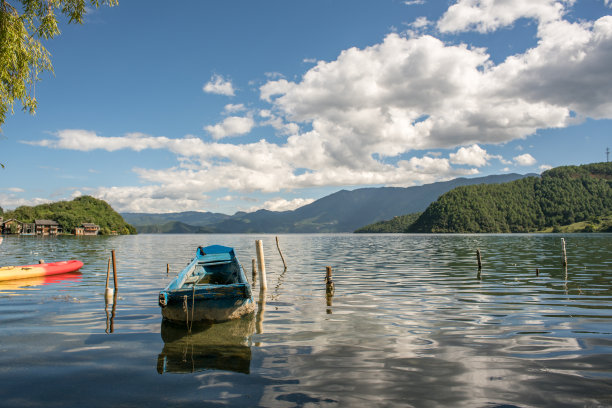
[(396, 224), (71, 214), (24, 25), (561, 196)]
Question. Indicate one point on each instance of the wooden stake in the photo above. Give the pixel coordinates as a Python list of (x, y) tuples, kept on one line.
[(537, 272), (167, 269), (261, 264), (114, 269), (107, 272), (254, 269), (329, 283), (479, 259), (108, 292), (281, 254), (563, 253)]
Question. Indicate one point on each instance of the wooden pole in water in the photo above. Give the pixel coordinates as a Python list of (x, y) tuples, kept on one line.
[(254, 271), (114, 269), (537, 272), (167, 269), (479, 259), (262, 264), (281, 254), (563, 254), (329, 283), (108, 292)]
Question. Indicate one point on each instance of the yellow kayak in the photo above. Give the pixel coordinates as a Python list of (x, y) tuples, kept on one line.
[(45, 269)]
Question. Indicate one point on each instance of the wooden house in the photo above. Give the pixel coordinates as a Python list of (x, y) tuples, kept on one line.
[(47, 227), (87, 229), (11, 226)]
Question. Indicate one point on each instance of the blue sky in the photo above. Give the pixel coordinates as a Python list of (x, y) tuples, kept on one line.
[(237, 105)]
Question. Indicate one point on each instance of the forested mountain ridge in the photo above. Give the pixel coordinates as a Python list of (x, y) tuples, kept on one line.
[(561, 196), (342, 211), (71, 214)]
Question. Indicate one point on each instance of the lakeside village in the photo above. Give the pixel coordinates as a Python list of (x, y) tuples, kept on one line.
[(45, 227)]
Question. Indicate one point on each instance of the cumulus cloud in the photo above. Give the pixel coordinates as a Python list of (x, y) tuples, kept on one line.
[(525, 160), (231, 126), (234, 108), (219, 85), (489, 15), (473, 156), (281, 204), (11, 201)]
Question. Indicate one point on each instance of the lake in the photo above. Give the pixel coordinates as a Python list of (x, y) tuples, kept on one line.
[(411, 323)]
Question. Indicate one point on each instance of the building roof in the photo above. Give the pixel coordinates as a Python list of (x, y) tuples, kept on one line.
[(46, 222), (89, 225)]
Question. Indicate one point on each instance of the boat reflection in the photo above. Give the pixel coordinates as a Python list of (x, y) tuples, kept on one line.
[(31, 283), (210, 346)]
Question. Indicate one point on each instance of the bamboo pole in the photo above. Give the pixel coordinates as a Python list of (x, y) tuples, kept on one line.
[(281, 254), (254, 271), (329, 283), (563, 253), (261, 264), (114, 269), (108, 292)]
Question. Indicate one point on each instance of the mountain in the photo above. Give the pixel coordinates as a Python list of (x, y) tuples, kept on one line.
[(193, 218), (343, 211), (561, 196), (71, 214)]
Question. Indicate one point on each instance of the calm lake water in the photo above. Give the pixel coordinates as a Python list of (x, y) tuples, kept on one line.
[(410, 324)]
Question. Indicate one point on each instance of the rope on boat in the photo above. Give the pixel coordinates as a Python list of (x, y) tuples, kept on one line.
[(192, 307), (186, 309)]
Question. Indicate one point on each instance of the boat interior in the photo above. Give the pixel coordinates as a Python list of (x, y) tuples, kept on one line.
[(214, 273)]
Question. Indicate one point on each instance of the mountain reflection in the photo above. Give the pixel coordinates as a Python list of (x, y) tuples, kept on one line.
[(210, 346)]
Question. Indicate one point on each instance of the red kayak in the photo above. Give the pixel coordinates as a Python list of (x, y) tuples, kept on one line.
[(44, 269)]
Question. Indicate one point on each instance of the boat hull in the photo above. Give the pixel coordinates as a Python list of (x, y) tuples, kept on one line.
[(45, 269), (208, 310)]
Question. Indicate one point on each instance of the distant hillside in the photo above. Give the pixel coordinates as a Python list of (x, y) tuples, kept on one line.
[(561, 196), (398, 224), (172, 227), (343, 211), (193, 218), (71, 214)]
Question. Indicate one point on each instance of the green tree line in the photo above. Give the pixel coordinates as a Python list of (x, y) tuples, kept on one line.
[(71, 214), (561, 196)]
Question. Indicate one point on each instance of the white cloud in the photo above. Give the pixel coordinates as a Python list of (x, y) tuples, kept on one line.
[(473, 156), (15, 190), (231, 126), (545, 167), (489, 15), (219, 85), (413, 2), (234, 108), (525, 160), (12, 201), (281, 204)]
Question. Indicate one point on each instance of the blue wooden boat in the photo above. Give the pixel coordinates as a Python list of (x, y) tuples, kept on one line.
[(213, 287)]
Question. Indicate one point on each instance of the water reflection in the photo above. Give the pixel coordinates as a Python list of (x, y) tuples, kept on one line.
[(32, 283), (210, 346), (110, 318)]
